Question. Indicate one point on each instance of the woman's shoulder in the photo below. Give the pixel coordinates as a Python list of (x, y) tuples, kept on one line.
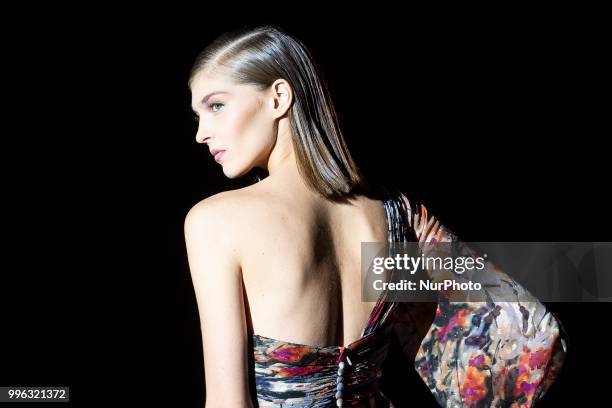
[(226, 211), (219, 202), (248, 211)]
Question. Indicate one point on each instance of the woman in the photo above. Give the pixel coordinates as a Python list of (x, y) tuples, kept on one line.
[(276, 265)]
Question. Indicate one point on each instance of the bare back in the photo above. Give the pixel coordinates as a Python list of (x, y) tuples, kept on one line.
[(300, 260)]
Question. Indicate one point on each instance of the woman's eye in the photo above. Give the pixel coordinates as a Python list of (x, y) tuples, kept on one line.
[(212, 106)]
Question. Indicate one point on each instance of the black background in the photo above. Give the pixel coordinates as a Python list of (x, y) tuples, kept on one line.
[(494, 118)]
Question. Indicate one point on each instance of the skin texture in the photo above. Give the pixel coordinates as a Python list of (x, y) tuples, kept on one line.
[(274, 258)]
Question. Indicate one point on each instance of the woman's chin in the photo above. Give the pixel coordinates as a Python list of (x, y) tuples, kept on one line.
[(232, 172)]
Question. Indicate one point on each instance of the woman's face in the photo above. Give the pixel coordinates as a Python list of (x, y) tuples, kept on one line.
[(235, 119)]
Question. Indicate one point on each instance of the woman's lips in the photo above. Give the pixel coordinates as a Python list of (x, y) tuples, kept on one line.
[(219, 154)]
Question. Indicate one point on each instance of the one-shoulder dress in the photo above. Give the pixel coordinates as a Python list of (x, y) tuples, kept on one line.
[(475, 354)]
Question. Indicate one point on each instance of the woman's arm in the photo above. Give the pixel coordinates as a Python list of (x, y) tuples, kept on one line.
[(217, 279)]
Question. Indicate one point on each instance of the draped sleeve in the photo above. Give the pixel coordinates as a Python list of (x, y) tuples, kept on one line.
[(479, 353)]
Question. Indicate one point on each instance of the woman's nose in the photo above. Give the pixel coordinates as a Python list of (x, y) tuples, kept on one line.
[(202, 135)]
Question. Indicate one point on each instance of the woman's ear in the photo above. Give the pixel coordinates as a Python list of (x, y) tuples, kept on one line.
[(281, 97)]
